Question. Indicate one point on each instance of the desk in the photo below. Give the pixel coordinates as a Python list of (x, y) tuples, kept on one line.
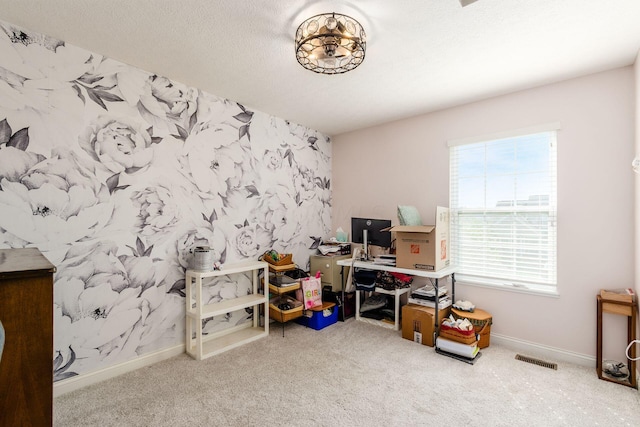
[(440, 274)]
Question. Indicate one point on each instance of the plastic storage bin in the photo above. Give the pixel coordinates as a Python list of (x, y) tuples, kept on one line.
[(320, 317)]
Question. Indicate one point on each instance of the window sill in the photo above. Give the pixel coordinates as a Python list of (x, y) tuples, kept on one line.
[(508, 287)]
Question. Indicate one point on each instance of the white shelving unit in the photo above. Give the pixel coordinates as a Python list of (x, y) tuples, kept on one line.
[(397, 293), (201, 347)]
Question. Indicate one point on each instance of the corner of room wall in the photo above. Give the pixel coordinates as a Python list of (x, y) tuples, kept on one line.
[(116, 174), (636, 68)]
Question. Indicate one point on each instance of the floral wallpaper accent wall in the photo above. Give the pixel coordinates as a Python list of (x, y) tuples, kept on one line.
[(115, 174)]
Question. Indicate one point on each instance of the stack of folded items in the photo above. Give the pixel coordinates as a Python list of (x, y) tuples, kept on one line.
[(427, 296)]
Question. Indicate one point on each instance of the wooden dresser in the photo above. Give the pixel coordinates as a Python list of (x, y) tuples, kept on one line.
[(26, 312)]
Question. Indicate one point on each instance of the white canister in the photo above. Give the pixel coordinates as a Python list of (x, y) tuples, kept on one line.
[(202, 258)]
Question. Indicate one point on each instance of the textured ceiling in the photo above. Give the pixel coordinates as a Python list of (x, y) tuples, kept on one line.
[(422, 55)]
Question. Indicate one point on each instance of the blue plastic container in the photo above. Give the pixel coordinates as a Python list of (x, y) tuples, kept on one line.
[(320, 319)]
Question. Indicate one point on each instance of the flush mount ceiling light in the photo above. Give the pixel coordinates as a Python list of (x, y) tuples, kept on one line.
[(330, 43)]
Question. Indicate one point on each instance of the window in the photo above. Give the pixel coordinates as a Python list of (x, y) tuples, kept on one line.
[(503, 209)]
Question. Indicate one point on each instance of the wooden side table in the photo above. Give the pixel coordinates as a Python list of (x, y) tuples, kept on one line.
[(623, 308), (26, 312)]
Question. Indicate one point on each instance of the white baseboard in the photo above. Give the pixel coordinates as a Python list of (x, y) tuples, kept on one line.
[(543, 351), (84, 380), (530, 348)]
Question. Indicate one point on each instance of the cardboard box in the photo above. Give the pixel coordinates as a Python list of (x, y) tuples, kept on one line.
[(418, 323), (423, 247)]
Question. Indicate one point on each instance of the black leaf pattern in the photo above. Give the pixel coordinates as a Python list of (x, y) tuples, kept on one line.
[(57, 362), (89, 79), (121, 187), (59, 371), (156, 140), (253, 191), (112, 182), (20, 139), (213, 217), (178, 288), (107, 96), (5, 131), (183, 134), (289, 156), (244, 117), (148, 251), (244, 130), (64, 376), (79, 93), (95, 98), (140, 246), (315, 242), (192, 121), (104, 87)]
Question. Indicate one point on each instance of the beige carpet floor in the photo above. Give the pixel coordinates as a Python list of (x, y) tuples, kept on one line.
[(350, 374)]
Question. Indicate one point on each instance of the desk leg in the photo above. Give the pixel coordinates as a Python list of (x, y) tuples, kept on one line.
[(453, 287), (357, 304), (342, 292), (436, 329), (599, 337)]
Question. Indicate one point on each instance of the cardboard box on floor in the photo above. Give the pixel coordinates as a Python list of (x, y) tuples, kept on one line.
[(423, 247), (418, 323)]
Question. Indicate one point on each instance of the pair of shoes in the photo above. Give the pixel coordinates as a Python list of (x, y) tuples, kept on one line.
[(616, 369)]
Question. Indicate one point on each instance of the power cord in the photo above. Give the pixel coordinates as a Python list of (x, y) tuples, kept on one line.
[(626, 352)]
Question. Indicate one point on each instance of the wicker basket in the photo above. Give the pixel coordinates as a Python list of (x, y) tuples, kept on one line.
[(454, 334), (481, 321), (287, 259), (284, 316)]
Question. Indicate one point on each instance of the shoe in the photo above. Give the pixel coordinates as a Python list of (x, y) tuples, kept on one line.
[(616, 369)]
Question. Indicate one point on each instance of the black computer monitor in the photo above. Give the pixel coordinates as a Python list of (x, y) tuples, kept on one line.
[(374, 227)]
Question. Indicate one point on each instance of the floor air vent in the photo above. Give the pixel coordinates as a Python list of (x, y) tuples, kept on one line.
[(537, 362)]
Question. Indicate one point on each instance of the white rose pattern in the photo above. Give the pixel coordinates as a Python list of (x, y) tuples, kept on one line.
[(116, 174)]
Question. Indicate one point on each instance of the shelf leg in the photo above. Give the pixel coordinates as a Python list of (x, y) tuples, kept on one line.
[(599, 337), (396, 324)]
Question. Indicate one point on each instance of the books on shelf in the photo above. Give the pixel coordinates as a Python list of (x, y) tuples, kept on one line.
[(443, 303), (469, 351)]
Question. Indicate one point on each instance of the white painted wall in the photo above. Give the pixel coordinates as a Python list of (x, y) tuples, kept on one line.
[(406, 162)]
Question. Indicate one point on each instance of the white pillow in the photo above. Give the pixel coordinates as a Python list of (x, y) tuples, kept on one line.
[(409, 215)]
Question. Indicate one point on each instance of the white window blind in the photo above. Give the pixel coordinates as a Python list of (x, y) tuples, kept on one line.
[(503, 208)]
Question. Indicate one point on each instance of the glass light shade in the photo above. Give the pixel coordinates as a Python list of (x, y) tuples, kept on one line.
[(330, 43)]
